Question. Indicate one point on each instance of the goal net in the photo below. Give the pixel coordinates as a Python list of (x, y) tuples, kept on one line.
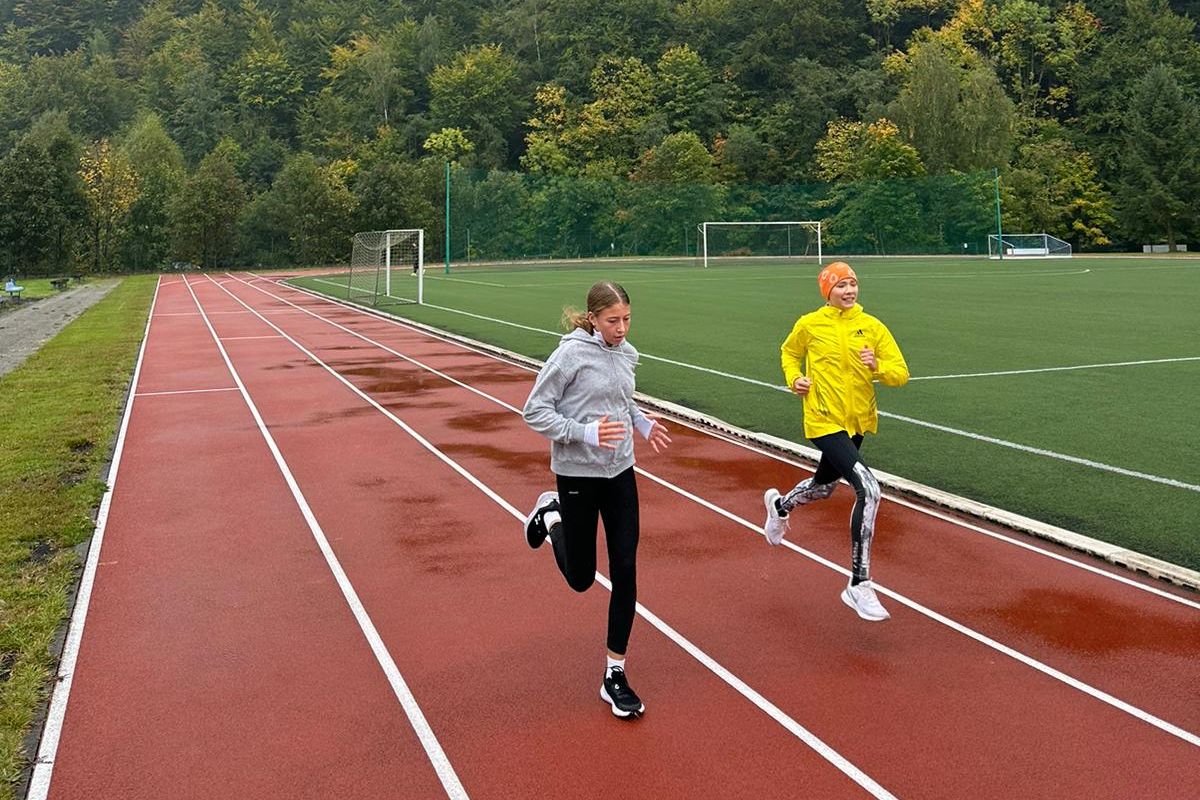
[(387, 267), (731, 242), (1027, 245)]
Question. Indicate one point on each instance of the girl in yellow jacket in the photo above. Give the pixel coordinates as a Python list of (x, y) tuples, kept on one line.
[(831, 359)]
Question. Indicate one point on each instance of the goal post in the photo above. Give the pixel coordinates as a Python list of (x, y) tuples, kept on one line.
[(760, 239), (1027, 245), (387, 267)]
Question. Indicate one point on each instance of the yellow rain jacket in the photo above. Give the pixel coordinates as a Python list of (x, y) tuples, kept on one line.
[(823, 346)]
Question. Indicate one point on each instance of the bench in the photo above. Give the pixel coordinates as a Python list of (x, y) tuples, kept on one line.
[(13, 290), (60, 283)]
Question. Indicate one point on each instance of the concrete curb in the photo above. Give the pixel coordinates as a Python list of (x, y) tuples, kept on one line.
[(1127, 559)]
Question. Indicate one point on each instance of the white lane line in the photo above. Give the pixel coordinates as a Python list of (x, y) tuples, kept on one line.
[(1029, 661), (186, 391), (43, 769), (1055, 369), (437, 756), (798, 730), (970, 633)]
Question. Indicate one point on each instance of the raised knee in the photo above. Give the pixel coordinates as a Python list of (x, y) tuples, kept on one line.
[(581, 583), (871, 488)]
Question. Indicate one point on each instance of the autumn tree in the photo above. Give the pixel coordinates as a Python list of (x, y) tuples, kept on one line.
[(874, 200), (159, 165), (479, 92), (953, 109), (1053, 187), (111, 188), (204, 214)]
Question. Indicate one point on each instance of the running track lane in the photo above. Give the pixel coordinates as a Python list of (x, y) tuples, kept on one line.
[(382, 376)]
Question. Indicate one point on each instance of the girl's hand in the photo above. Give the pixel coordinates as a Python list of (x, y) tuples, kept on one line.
[(658, 438), (610, 433), (867, 356), (801, 385)]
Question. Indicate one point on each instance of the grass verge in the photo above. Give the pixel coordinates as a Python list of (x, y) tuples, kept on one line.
[(59, 413)]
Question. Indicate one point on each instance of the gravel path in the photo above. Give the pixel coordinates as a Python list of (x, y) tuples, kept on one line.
[(25, 329)]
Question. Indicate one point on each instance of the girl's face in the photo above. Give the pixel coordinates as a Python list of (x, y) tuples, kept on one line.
[(612, 322), (845, 294)]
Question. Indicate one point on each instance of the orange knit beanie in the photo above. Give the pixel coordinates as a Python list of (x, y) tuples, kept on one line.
[(833, 274)]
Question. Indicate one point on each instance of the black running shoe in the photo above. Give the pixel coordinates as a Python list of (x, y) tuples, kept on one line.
[(617, 693), (535, 526)]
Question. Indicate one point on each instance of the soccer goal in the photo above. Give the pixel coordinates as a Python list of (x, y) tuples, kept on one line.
[(732, 241), (1027, 245), (387, 267)]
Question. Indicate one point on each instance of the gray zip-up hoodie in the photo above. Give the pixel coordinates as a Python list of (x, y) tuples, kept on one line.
[(582, 380)]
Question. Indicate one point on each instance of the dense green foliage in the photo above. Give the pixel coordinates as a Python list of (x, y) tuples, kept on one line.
[(134, 133)]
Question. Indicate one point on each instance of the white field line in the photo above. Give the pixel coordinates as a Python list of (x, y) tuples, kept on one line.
[(43, 769), (1191, 487), (1035, 273), (1055, 369), (431, 277), (511, 360), (910, 420), (357, 289), (437, 756), (798, 730), (1029, 661), (693, 275)]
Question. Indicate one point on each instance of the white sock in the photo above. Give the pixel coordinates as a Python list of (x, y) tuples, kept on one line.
[(551, 518), (612, 662)]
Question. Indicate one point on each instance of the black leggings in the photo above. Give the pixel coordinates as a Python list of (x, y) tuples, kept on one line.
[(840, 459), (616, 501)]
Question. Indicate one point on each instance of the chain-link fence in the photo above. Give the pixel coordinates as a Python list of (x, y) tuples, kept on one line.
[(504, 216)]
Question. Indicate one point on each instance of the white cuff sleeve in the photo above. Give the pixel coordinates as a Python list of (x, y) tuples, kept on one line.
[(644, 426), (591, 433)]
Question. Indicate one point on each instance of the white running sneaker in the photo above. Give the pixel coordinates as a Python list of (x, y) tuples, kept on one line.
[(536, 529), (777, 524), (863, 600)]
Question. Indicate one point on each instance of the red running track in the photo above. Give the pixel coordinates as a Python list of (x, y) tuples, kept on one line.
[(311, 582)]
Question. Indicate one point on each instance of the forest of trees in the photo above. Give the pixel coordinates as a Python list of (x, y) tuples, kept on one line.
[(137, 133)]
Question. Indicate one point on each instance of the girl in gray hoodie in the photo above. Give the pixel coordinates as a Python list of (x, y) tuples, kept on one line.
[(582, 401)]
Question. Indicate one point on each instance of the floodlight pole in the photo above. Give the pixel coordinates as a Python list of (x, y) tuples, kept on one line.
[(999, 229), (447, 217)]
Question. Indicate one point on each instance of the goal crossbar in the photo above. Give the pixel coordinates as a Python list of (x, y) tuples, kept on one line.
[(813, 225)]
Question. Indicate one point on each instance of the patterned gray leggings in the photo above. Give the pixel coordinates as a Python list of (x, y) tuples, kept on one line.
[(840, 459)]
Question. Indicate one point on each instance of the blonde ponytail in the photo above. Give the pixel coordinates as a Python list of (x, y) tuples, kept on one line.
[(573, 318)]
